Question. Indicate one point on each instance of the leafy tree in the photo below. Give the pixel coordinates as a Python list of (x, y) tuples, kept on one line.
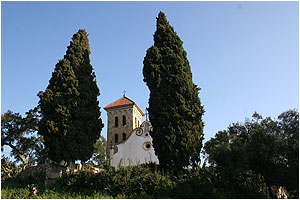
[(258, 151), (273, 149), (70, 110), (175, 109), (263, 149), (99, 156), (289, 135), (8, 168), (20, 135)]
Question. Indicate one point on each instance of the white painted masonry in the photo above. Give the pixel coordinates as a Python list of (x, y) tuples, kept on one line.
[(136, 149)]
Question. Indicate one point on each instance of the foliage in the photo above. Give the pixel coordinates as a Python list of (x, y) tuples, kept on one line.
[(70, 110), (15, 193), (194, 186), (99, 155), (130, 182), (289, 137), (18, 189), (125, 182), (8, 168), (205, 183), (20, 135), (258, 152), (175, 109), (139, 180)]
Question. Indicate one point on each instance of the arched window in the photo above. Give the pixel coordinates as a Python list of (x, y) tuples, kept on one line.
[(116, 121), (124, 120), (135, 123), (116, 138), (124, 136)]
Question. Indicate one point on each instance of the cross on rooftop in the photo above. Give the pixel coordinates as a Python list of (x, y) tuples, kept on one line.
[(124, 93)]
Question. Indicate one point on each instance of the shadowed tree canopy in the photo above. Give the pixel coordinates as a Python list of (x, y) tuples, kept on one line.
[(175, 110), (71, 121), (259, 151)]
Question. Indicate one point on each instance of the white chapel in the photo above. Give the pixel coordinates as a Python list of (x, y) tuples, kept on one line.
[(128, 138)]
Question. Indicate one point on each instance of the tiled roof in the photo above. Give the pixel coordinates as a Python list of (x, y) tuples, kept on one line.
[(122, 102)]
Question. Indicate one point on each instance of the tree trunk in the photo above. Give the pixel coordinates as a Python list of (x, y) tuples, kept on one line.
[(19, 154), (268, 192), (24, 160), (72, 167)]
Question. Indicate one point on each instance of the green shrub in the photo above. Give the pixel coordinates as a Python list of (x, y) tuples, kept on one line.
[(139, 180), (15, 193), (194, 187), (19, 187), (141, 196), (54, 194), (123, 182), (128, 182), (51, 193)]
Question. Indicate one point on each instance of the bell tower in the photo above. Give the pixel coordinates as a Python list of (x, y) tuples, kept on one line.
[(123, 116)]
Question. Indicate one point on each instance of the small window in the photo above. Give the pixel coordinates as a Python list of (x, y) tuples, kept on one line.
[(124, 120), (135, 123), (116, 138), (124, 136), (116, 121), (138, 123)]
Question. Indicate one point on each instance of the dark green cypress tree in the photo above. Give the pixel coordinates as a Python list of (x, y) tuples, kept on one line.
[(175, 110), (71, 121)]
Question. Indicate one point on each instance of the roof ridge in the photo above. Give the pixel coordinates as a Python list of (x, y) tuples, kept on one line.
[(127, 98), (122, 102)]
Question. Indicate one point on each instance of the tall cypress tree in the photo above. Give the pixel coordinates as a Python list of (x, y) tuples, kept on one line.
[(71, 121), (175, 110)]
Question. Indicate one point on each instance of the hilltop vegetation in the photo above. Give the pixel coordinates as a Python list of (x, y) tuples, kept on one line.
[(236, 169), (127, 182)]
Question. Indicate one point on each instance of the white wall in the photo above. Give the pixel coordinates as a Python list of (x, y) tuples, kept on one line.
[(133, 151)]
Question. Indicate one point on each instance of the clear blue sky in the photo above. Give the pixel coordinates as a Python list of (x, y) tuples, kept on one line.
[(244, 55)]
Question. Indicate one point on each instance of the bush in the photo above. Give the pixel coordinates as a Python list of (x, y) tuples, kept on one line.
[(139, 180), (194, 186), (15, 193), (130, 182), (125, 182), (15, 188)]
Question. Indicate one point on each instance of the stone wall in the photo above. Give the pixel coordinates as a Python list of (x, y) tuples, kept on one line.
[(112, 129), (51, 172)]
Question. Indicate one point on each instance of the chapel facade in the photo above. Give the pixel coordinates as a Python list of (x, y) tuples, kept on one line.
[(128, 138)]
